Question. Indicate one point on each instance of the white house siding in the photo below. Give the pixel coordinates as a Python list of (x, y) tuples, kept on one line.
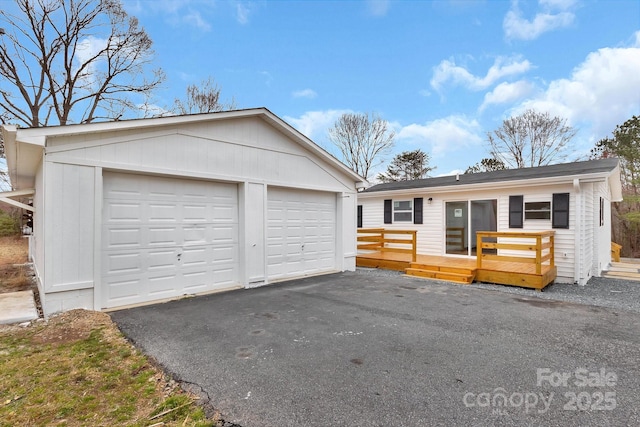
[(35, 240), (586, 235), (248, 152), (68, 245), (430, 234), (602, 234)]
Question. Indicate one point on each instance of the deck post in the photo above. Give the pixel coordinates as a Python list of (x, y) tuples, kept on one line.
[(552, 249), (538, 254), (479, 249), (414, 254)]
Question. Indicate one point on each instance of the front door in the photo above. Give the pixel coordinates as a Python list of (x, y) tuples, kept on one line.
[(463, 220)]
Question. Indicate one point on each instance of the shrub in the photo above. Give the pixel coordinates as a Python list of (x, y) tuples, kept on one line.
[(9, 225)]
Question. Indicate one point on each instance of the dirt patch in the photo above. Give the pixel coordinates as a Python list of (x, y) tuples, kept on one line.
[(15, 272), (74, 325)]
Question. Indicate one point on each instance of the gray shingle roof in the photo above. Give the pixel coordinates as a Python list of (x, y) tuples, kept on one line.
[(564, 169)]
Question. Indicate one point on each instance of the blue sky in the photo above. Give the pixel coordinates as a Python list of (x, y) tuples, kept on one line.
[(443, 73)]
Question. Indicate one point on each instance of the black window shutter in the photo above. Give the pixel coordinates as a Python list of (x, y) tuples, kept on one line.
[(516, 211), (387, 211), (359, 216), (560, 217), (417, 210)]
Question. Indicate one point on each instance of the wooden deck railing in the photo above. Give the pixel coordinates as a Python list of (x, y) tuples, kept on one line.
[(380, 239), (537, 249), (615, 252)]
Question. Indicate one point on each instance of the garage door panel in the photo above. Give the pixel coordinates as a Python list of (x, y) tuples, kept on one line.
[(170, 236), (300, 232), (195, 213), (125, 289), (163, 212), (160, 259), (195, 234), (162, 286), (123, 212), (126, 263), (161, 236), (122, 238), (225, 234)]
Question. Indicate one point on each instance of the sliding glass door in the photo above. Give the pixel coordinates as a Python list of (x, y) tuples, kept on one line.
[(463, 219)]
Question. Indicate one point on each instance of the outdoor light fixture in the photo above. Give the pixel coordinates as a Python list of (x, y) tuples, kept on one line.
[(429, 200)]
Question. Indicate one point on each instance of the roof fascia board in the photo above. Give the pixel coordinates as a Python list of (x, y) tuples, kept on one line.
[(37, 135), (305, 141), (564, 179)]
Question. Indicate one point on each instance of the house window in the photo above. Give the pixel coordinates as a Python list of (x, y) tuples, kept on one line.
[(560, 210), (515, 211), (359, 216), (537, 210), (403, 211), (601, 211)]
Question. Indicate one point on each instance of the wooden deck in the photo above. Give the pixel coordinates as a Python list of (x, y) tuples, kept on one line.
[(535, 270), (506, 273)]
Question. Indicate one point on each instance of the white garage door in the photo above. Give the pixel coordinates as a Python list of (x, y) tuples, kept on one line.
[(301, 232), (165, 237)]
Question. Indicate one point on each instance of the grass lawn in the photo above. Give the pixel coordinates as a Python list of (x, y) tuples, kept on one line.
[(76, 369)]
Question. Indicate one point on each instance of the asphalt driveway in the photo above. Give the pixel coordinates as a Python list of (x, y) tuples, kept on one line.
[(359, 349)]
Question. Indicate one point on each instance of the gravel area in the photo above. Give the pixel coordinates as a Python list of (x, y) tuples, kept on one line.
[(617, 294)]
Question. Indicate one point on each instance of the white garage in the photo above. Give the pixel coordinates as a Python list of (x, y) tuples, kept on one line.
[(301, 233), (141, 211), (166, 237)]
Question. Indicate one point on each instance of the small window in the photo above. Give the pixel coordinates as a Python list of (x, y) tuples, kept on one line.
[(537, 210), (515, 211), (403, 211), (601, 211), (359, 216), (560, 210)]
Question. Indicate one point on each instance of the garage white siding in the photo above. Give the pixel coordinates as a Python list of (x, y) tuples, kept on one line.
[(165, 237), (301, 232)]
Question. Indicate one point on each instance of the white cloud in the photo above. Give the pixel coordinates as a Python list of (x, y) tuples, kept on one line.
[(601, 93), (194, 19), (242, 13), (378, 7), (86, 51), (444, 135), (554, 14), (177, 13), (304, 93), (507, 92), (268, 78), (315, 124), (502, 67)]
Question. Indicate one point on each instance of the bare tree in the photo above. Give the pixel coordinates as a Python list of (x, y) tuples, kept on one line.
[(362, 140), (407, 166), (72, 62), (530, 139), (203, 98)]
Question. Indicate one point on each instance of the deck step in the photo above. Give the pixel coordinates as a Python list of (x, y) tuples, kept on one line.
[(443, 268), (464, 277)]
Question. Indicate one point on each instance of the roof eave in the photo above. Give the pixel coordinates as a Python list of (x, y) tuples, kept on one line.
[(564, 179), (27, 144)]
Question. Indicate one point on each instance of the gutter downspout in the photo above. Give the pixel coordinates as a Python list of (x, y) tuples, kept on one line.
[(577, 262)]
